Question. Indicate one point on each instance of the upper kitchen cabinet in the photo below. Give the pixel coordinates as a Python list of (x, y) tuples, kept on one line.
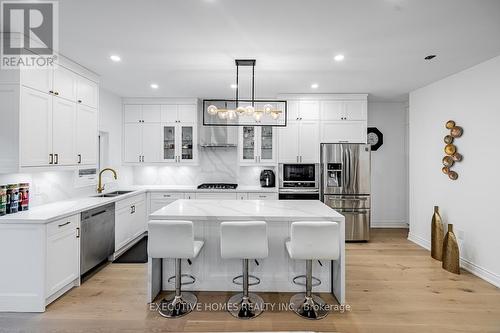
[(337, 110), (257, 145), (178, 113), (49, 128), (303, 110), (299, 142), (171, 134), (87, 92), (136, 113)]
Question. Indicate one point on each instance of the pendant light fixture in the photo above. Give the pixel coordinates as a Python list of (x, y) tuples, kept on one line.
[(244, 112)]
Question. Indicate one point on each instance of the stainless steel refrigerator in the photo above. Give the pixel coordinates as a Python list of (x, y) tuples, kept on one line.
[(345, 185)]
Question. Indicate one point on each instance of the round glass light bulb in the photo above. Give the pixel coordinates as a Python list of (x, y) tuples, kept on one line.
[(222, 114), (241, 110), (212, 109), (249, 110), (231, 114), (275, 115), (257, 116), (268, 108)]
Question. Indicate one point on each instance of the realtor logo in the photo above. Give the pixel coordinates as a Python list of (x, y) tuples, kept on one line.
[(29, 34)]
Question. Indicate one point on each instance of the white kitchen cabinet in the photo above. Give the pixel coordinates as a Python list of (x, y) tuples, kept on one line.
[(38, 79), (349, 110), (302, 110), (160, 200), (130, 220), (299, 142), (65, 83), (87, 92), (86, 135), (36, 128), (178, 113), (309, 142), (141, 143), (136, 113), (343, 131), (262, 196), (217, 196), (63, 132), (257, 145), (63, 254), (179, 143)]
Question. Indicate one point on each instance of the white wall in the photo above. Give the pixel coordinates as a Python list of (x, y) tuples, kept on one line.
[(46, 187), (389, 166), (471, 98)]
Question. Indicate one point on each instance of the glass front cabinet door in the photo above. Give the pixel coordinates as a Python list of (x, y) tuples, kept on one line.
[(179, 143), (257, 145)]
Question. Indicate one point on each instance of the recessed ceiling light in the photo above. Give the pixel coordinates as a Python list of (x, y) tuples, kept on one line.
[(314, 86), (234, 86), (430, 57), (115, 58), (339, 57), (154, 86)]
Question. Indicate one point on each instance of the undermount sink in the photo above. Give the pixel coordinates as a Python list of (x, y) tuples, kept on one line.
[(112, 194)]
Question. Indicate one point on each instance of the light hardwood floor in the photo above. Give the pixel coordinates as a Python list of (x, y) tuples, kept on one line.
[(392, 286)]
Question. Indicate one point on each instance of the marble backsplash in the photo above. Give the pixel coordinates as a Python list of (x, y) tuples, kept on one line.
[(216, 165)]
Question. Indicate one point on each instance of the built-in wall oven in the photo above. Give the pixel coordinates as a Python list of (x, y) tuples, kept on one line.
[(299, 181)]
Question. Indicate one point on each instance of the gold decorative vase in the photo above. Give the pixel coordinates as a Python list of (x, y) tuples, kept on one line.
[(437, 234), (451, 255)]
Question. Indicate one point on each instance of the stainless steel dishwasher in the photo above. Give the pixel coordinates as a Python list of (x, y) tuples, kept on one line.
[(97, 241)]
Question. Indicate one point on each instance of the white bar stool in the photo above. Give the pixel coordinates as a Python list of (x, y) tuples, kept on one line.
[(175, 240), (244, 240), (312, 240)]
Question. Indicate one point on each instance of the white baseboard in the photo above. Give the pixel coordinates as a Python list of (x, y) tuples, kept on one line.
[(469, 266), (388, 224)]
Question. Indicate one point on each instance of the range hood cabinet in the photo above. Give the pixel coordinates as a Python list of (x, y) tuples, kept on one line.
[(218, 136)]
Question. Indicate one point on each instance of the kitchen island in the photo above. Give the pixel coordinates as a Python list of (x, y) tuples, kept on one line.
[(276, 271)]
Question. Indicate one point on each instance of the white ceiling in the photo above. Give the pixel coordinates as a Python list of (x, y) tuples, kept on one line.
[(188, 47)]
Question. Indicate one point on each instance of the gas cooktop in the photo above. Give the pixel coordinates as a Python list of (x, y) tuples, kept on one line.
[(217, 186)]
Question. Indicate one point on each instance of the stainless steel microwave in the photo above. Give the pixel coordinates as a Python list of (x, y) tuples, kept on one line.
[(299, 176)]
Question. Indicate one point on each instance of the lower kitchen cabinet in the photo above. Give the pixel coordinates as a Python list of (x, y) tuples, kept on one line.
[(63, 254), (160, 200), (130, 220), (262, 196), (217, 196)]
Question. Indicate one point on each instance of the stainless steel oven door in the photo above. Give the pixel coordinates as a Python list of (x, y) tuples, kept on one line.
[(357, 224), (299, 175)]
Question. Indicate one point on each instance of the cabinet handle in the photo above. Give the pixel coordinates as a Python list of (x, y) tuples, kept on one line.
[(166, 195), (262, 196), (79, 101), (79, 158), (132, 209), (56, 93), (62, 225), (300, 159), (56, 158), (78, 232), (139, 158), (51, 91), (51, 159)]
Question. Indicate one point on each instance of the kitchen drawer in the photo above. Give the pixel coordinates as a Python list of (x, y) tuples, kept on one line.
[(262, 196), (129, 201), (216, 196), (167, 195), (68, 223)]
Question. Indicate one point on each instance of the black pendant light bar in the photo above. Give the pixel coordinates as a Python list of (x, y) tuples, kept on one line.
[(244, 62)]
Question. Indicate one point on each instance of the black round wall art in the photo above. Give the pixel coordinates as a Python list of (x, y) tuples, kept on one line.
[(375, 138)]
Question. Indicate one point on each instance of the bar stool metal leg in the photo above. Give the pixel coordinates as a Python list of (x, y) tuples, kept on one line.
[(245, 305), (308, 305), (180, 303)]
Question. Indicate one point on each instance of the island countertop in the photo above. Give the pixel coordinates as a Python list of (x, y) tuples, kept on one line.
[(268, 210)]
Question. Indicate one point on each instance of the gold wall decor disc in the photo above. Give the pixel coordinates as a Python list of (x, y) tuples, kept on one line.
[(457, 157), (448, 161), (453, 175), (450, 124), (450, 149), (448, 139), (456, 131)]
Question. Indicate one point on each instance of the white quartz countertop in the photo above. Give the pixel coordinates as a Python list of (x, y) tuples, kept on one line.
[(268, 210), (61, 209)]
